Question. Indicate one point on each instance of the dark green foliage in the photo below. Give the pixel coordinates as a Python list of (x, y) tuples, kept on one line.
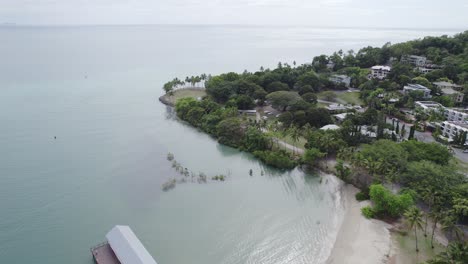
[(311, 156), (434, 152), (327, 141), (277, 86), (384, 158), (309, 97), (255, 140), (283, 99), (230, 132), (309, 78), (455, 253), (362, 196), (245, 102), (411, 133), (277, 159)]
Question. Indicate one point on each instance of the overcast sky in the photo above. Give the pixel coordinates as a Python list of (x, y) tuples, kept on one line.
[(362, 13)]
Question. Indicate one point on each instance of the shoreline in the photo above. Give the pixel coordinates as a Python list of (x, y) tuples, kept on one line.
[(359, 240), (170, 100)]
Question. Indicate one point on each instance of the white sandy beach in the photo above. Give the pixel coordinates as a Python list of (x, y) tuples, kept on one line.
[(360, 240)]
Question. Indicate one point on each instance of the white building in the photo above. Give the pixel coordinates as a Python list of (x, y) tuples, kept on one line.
[(346, 80), (330, 127), (380, 72), (417, 61), (450, 129), (428, 106), (417, 88), (127, 247), (453, 114), (424, 70), (341, 117)]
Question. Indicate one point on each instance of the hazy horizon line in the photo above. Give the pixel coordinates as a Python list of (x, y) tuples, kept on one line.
[(13, 24)]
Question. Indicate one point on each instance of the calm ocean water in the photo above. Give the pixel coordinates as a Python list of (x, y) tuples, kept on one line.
[(96, 90)]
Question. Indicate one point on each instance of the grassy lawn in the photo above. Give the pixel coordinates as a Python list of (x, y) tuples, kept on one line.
[(407, 248), (343, 97), (350, 97), (183, 93), (300, 143)]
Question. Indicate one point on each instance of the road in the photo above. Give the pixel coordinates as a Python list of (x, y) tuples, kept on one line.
[(279, 141), (428, 138)]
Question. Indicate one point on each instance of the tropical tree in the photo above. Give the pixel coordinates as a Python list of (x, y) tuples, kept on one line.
[(294, 133), (449, 224), (414, 217), (436, 216), (456, 253)]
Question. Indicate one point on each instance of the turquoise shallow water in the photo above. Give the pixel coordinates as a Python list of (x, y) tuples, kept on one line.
[(96, 89)]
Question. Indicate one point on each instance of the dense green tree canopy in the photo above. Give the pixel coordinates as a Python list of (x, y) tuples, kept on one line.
[(283, 99)]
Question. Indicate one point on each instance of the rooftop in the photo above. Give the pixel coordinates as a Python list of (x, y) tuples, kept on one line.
[(330, 127), (449, 91), (127, 247), (415, 86), (381, 67), (458, 123), (447, 84)]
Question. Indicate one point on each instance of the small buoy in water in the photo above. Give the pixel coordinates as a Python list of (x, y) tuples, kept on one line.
[(55, 137)]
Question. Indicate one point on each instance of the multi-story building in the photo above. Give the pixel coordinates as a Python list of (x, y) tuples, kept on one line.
[(453, 114), (426, 92), (417, 61), (380, 72), (452, 129), (428, 106), (346, 80)]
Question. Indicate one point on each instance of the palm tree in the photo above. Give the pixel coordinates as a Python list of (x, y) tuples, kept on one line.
[(436, 216), (455, 253), (449, 224), (294, 133), (414, 218)]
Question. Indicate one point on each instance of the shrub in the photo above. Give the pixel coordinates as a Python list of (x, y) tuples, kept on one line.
[(276, 159), (362, 196), (386, 203), (368, 212)]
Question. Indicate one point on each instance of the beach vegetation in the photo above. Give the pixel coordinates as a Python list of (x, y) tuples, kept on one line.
[(414, 218), (368, 212), (362, 196), (278, 159), (387, 204)]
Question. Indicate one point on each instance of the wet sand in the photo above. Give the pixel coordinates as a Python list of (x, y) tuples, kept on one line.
[(360, 240)]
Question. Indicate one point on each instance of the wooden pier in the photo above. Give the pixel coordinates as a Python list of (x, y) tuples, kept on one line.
[(103, 254)]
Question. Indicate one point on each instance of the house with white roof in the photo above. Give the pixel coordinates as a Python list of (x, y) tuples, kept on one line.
[(380, 71)]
